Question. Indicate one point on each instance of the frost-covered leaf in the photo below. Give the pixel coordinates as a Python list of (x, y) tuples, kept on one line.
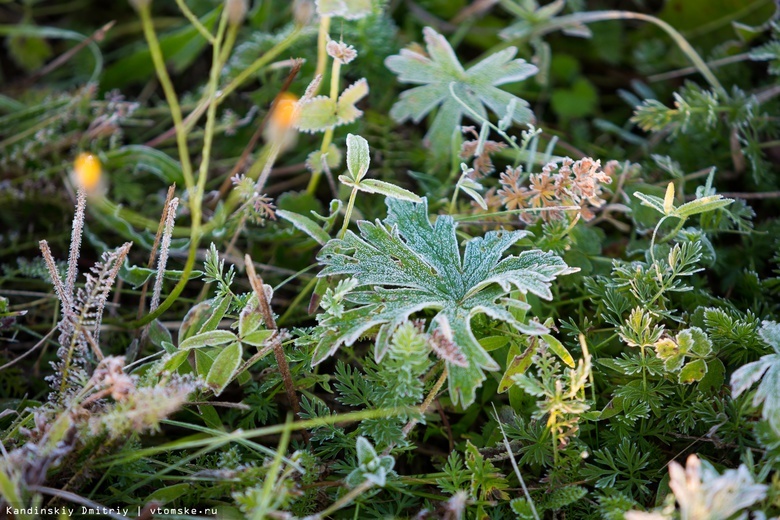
[(347, 9), (406, 264), (387, 189), (371, 466), (305, 224), (476, 87), (694, 340), (321, 113), (208, 339), (358, 157), (702, 205), (224, 368), (767, 370), (697, 206)]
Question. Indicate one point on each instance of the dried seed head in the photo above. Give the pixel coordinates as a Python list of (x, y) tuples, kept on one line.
[(236, 11), (341, 51)]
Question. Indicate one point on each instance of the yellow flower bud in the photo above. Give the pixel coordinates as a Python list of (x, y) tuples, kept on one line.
[(285, 111), (87, 171)]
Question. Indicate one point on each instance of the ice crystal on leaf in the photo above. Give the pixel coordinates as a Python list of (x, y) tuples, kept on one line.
[(445, 82), (406, 265)]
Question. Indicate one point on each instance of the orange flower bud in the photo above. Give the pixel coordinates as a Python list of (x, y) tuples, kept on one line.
[(284, 111), (87, 171)]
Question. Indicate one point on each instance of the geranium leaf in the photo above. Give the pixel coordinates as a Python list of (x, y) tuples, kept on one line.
[(457, 91), (408, 264)]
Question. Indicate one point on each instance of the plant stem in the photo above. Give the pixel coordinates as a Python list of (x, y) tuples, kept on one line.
[(601, 16), (322, 41), (348, 212), (346, 499), (428, 400), (265, 309), (170, 94), (189, 15), (211, 116), (327, 138)]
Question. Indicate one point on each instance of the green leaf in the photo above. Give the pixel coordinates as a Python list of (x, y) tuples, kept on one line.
[(492, 343), (29, 52), (693, 371), (347, 9), (141, 157), (306, 225), (250, 318), (713, 380), (694, 340), (173, 362), (224, 368), (702, 205), (209, 338), (387, 189), (440, 74), (651, 201), (158, 333), (257, 338), (518, 365), (358, 157), (322, 113), (220, 308), (137, 275), (557, 348), (407, 265), (194, 319), (169, 493)]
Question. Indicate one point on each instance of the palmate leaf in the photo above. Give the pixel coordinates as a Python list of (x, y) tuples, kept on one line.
[(476, 87), (406, 264)]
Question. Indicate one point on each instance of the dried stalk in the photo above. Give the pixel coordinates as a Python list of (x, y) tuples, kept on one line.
[(270, 323)]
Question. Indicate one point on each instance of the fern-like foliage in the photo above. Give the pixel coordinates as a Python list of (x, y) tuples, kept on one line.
[(407, 265)]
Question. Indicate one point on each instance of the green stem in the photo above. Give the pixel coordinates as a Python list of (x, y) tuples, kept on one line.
[(298, 298), (211, 116), (259, 63), (170, 94), (601, 16), (196, 195), (327, 138), (189, 15), (322, 42), (348, 212), (346, 499)]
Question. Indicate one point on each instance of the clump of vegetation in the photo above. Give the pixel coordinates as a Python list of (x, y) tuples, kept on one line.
[(367, 259)]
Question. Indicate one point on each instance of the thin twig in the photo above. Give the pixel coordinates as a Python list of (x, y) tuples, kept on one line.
[(30, 351), (265, 310), (427, 403), (514, 465), (65, 57), (296, 67)]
